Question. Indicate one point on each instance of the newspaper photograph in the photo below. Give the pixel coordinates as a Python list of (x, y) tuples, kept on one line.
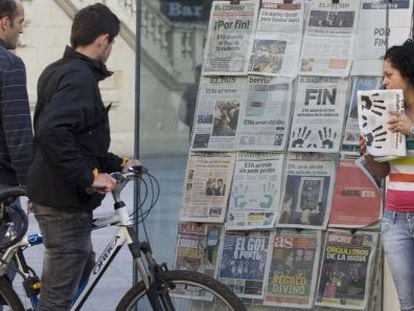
[(219, 102), (243, 262), (278, 39), (255, 192), (265, 120), (371, 39), (197, 247), (357, 201), (346, 269), (308, 191), (230, 37), (207, 186), (293, 268), (352, 132), (318, 117), (373, 114), (329, 37)]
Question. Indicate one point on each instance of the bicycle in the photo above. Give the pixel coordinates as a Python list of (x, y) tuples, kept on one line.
[(158, 288)]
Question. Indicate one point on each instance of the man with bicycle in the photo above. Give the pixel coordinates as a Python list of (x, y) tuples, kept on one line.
[(72, 139)]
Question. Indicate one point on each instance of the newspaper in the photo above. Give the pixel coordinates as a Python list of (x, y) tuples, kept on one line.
[(243, 261), (293, 268), (318, 116), (350, 194), (255, 193), (278, 39), (230, 37), (373, 115), (197, 247), (350, 143), (370, 44), (264, 123), (207, 186), (345, 274), (219, 102), (308, 191), (329, 38)]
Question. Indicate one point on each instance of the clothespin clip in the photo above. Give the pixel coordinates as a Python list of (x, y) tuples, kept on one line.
[(234, 1)]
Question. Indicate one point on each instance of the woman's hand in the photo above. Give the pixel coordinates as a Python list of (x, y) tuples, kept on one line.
[(362, 144), (399, 122)]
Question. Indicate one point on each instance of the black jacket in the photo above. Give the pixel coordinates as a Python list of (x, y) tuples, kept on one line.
[(72, 135)]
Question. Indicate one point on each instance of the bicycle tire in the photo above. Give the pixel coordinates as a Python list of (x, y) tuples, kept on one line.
[(10, 300), (133, 298)]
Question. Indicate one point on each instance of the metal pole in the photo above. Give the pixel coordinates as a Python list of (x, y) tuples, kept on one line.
[(137, 114)]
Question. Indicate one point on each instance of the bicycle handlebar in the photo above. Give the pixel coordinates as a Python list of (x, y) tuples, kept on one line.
[(121, 214)]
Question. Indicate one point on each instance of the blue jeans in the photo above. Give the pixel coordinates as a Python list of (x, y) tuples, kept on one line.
[(397, 233), (68, 253)]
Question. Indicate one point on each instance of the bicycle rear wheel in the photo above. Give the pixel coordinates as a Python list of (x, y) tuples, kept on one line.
[(9, 301), (193, 291)]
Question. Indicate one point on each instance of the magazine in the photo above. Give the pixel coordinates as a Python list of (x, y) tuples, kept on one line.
[(243, 262), (255, 193), (265, 120), (329, 38), (350, 143), (350, 194), (318, 116), (373, 115), (308, 191), (219, 102), (345, 274), (230, 37), (278, 39), (293, 268), (197, 247), (206, 188), (374, 35)]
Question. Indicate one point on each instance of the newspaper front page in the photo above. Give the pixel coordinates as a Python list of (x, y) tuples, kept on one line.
[(345, 274), (278, 39), (255, 193), (197, 247), (318, 117), (219, 102), (230, 37), (350, 143), (207, 186), (308, 191), (373, 115), (357, 201), (293, 268), (371, 39), (243, 262), (264, 123), (329, 38)]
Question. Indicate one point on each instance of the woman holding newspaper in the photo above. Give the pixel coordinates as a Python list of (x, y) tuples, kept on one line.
[(397, 229)]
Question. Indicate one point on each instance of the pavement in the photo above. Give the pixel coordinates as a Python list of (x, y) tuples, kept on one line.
[(161, 226)]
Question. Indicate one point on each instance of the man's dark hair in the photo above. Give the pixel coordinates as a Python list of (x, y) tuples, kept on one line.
[(91, 22), (402, 58), (8, 8)]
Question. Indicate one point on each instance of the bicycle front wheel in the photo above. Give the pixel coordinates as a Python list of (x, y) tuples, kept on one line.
[(188, 291), (9, 301)]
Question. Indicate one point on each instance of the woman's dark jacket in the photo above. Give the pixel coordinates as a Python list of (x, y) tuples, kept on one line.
[(72, 135)]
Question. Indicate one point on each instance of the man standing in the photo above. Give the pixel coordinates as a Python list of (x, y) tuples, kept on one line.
[(72, 139), (16, 135)]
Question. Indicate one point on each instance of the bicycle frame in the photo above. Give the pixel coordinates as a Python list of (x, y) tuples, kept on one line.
[(157, 291)]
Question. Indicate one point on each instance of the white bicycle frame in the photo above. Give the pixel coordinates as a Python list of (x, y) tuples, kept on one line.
[(124, 235)]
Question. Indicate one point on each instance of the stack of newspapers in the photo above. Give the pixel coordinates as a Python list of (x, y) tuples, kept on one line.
[(373, 116)]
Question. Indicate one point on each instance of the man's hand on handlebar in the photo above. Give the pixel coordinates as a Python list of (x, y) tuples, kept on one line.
[(104, 183)]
